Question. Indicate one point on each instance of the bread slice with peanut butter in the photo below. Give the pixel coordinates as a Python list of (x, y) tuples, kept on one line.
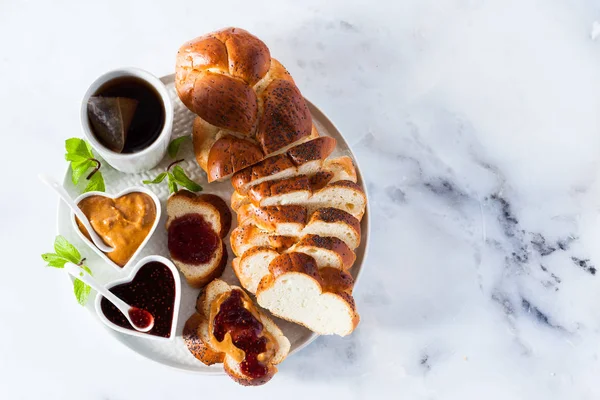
[(249, 351)]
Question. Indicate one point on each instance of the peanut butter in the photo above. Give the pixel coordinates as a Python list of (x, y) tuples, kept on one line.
[(235, 328), (123, 223)]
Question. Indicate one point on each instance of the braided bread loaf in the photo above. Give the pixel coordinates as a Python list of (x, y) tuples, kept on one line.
[(248, 105)]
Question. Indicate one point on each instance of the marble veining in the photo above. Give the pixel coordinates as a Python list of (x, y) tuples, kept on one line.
[(476, 125)]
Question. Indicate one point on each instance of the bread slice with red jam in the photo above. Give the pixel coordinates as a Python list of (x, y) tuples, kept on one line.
[(196, 226), (228, 328)]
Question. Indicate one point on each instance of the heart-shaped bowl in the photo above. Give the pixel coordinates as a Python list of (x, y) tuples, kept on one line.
[(116, 196), (129, 278)]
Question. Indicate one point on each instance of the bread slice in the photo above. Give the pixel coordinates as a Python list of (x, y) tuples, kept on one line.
[(253, 266), (336, 223), (221, 152), (296, 190), (248, 235), (281, 220), (297, 291), (238, 200), (212, 207), (257, 223), (300, 190), (341, 168), (212, 210), (304, 159), (201, 342), (344, 195), (328, 251)]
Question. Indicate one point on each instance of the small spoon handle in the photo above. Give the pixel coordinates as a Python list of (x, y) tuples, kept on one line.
[(86, 278), (75, 208)]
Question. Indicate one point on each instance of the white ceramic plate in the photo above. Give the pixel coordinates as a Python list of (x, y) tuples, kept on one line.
[(174, 353)]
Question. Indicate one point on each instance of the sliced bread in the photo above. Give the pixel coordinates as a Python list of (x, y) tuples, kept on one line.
[(253, 265), (248, 235), (295, 190), (327, 251), (296, 290), (195, 226), (333, 222), (212, 319), (304, 159), (344, 195), (303, 190), (281, 220), (341, 168)]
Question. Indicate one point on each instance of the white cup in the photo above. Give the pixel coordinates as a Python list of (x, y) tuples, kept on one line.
[(147, 158)]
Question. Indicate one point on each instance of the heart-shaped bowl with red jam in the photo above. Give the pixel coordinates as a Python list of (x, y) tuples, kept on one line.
[(153, 285), (125, 221)]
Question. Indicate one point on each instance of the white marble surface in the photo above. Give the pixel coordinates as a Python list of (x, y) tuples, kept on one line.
[(477, 125)]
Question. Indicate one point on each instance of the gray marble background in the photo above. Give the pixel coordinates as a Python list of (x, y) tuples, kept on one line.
[(477, 126)]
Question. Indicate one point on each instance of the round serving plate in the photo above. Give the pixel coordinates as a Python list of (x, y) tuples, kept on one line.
[(174, 353)]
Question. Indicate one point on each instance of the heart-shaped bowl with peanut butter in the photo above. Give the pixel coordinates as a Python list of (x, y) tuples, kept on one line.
[(124, 221)]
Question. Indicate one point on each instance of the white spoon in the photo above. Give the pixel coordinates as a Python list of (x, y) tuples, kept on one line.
[(140, 319), (80, 215)]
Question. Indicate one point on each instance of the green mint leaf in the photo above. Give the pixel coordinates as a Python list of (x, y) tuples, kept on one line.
[(79, 147), (54, 260), (174, 146), (75, 157), (82, 291), (183, 180), (158, 179), (89, 271), (66, 250), (96, 183), (172, 184), (79, 168)]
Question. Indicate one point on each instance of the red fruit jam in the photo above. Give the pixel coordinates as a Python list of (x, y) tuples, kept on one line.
[(152, 289), (192, 239), (140, 318), (245, 332)]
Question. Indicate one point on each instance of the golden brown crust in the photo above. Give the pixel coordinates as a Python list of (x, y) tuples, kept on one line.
[(204, 135), (245, 233), (240, 60), (316, 149), (330, 243), (331, 215), (295, 262), (268, 217), (274, 188), (342, 165), (320, 180), (347, 184), (228, 78), (246, 381), (225, 102), (249, 57), (224, 212), (285, 118), (238, 200), (267, 167), (281, 243), (196, 345), (197, 337), (336, 281), (230, 154)]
